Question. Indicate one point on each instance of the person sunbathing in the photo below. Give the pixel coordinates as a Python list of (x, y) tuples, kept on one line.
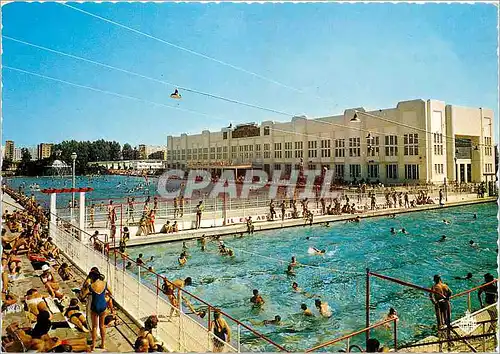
[(75, 316), (32, 299), (64, 272), (50, 283)]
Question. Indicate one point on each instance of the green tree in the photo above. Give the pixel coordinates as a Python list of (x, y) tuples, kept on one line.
[(6, 164), (127, 152)]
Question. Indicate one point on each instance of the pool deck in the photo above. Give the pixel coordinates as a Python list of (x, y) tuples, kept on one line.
[(118, 339), (278, 224)]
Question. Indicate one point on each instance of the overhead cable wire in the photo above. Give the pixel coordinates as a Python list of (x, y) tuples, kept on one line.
[(108, 92), (187, 89), (233, 100), (332, 270), (204, 56)]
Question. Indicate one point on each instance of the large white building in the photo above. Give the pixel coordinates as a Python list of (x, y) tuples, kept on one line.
[(418, 141)]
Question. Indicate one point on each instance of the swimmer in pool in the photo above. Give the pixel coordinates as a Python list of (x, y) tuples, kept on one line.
[(467, 277), (289, 271), (296, 288), (306, 311), (230, 252), (474, 216), (317, 251), (326, 224), (473, 244), (446, 222), (307, 238), (393, 231), (294, 262), (276, 321), (256, 299), (203, 242), (323, 308), (442, 239), (403, 230), (182, 259), (393, 314)]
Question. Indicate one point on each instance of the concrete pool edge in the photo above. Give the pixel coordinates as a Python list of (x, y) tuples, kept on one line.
[(278, 224)]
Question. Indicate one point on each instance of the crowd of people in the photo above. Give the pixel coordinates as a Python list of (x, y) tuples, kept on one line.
[(25, 234)]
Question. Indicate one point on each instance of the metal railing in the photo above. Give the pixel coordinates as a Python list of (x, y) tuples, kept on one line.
[(140, 299), (182, 333), (469, 291), (209, 309), (348, 337)]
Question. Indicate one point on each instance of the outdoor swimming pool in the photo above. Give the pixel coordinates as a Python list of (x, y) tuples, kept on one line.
[(414, 257), (105, 187)]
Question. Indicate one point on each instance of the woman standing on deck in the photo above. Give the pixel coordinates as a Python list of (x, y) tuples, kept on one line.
[(98, 305), (222, 332)]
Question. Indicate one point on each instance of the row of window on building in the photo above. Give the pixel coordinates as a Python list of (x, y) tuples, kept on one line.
[(391, 170), (296, 149), (289, 150)]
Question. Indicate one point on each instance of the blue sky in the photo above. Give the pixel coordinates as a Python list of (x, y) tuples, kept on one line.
[(340, 55)]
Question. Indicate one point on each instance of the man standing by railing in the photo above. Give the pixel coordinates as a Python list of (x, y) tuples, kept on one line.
[(490, 291), (440, 297)]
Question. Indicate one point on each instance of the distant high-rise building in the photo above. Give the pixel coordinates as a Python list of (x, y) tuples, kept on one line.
[(17, 154), (33, 150), (44, 150), (9, 150)]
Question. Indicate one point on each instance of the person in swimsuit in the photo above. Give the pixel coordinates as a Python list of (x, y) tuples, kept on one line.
[(32, 299), (203, 242), (50, 284), (222, 332), (490, 291), (64, 272), (440, 297), (98, 305), (75, 316), (182, 259), (256, 299), (467, 277), (323, 308), (318, 251), (393, 314), (306, 311), (276, 321), (289, 271), (168, 289)]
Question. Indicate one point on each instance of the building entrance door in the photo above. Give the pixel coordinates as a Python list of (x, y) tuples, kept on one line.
[(462, 173)]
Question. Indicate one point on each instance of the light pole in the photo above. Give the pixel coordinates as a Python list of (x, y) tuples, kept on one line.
[(73, 158)]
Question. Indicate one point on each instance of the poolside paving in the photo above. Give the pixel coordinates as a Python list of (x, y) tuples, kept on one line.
[(118, 339)]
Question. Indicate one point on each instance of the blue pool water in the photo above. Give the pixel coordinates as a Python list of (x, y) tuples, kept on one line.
[(105, 187), (351, 248)]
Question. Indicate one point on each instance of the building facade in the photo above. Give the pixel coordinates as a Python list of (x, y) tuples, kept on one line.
[(33, 150), (9, 150), (137, 165), (44, 151), (145, 151), (18, 154), (418, 141)]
